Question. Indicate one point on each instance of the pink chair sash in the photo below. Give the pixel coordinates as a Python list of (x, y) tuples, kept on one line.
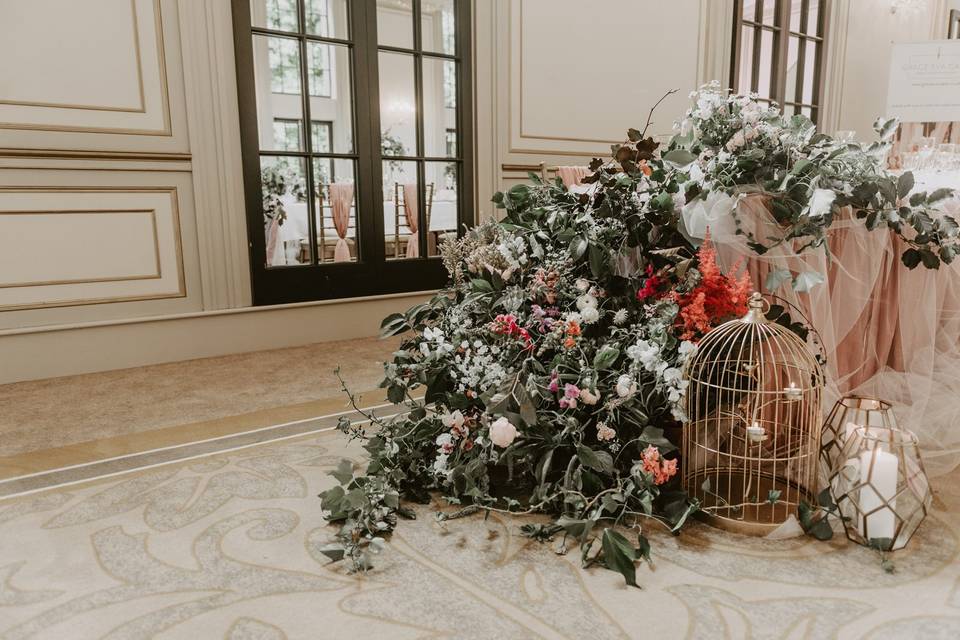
[(341, 197), (411, 209), (572, 176), (273, 232)]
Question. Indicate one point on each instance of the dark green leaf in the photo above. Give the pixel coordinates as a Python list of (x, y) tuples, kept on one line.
[(606, 357), (910, 258), (344, 472), (619, 555), (596, 460), (479, 284), (904, 183)]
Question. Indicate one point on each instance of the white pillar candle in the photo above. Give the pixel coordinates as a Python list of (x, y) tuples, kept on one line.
[(880, 468)]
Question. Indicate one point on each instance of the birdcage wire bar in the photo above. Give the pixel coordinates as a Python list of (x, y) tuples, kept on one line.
[(751, 442)]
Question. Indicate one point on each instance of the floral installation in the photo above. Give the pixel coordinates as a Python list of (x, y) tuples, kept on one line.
[(547, 377)]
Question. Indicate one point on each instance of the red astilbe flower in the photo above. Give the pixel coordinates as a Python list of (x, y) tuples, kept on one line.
[(716, 299)]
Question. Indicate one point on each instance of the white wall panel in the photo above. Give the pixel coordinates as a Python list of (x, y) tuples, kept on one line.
[(63, 246), (94, 75)]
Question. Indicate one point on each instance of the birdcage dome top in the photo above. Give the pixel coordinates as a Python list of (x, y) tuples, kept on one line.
[(754, 342)]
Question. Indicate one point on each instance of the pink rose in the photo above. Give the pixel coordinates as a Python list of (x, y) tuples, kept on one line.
[(502, 432)]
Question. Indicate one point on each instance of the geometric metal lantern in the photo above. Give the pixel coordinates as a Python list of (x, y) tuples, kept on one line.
[(752, 434), (880, 487), (847, 415)]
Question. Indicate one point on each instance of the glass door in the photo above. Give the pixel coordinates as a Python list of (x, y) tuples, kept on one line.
[(356, 143)]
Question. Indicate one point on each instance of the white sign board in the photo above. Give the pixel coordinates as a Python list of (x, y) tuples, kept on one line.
[(925, 81)]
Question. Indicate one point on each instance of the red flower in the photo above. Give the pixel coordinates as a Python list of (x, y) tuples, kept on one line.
[(716, 299)]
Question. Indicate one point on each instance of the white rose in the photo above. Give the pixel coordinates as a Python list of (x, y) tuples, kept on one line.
[(502, 432), (581, 284), (626, 387), (586, 301), (820, 202), (590, 315)]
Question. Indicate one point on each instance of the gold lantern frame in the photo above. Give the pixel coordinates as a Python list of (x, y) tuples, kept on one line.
[(850, 412), (751, 440)]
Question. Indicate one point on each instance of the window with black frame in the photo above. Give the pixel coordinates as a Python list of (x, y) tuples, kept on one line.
[(376, 179), (779, 54)]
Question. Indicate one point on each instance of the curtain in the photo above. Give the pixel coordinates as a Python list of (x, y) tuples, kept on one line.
[(411, 209), (341, 197)]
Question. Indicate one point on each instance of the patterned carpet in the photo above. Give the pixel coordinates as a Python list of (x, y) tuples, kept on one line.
[(226, 547)]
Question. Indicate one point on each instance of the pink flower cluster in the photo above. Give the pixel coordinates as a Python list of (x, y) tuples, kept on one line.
[(654, 464), (505, 324), (572, 394)]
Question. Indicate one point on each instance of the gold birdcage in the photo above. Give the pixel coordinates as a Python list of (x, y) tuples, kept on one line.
[(752, 435)]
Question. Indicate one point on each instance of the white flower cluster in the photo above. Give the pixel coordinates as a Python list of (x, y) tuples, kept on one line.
[(513, 249), (647, 355), (477, 367), (435, 344)]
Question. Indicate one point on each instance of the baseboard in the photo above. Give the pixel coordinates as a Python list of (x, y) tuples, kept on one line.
[(59, 350)]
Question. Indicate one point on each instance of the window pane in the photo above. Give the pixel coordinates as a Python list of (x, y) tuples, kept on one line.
[(813, 17), (746, 60), (790, 94), (336, 219), (439, 104), (769, 11), (765, 63), (279, 15), (395, 23), (438, 26), (276, 70), (441, 203), (398, 105), (286, 135), (796, 7), (401, 209), (750, 9), (809, 69), (284, 192), (327, 18), (330, 95)]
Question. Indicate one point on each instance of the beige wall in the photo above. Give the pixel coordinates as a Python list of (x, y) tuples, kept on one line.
[(560, 81), (122, 224)]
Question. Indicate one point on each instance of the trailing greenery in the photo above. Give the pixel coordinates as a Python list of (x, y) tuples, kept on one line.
[(547, 377)]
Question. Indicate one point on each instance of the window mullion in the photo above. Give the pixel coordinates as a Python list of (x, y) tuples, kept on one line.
[(422, 230), (367, 131), (316, 258)]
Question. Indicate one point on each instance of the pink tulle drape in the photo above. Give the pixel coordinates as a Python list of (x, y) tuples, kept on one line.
[(341, 197), (572, 176), (887, 332), (273, 233), (411, 209)]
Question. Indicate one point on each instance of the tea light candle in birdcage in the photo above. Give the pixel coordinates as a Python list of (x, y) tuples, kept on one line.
[(880, 487), (849, 414)]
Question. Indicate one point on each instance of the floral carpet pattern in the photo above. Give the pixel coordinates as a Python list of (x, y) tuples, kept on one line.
[(227, 546)]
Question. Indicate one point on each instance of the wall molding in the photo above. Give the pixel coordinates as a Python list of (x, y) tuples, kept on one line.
[(71, 349), (206, 33)]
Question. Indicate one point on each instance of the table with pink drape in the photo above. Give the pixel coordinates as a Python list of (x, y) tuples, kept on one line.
[(341, 198), (887, 331)]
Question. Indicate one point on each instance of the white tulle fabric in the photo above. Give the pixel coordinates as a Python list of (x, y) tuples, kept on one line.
[(887, 332)]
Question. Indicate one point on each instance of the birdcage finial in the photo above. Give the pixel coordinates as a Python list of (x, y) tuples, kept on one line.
[(757, 307)]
